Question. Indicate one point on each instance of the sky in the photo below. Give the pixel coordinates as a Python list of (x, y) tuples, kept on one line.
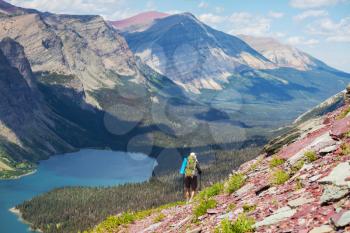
[(318, 27)]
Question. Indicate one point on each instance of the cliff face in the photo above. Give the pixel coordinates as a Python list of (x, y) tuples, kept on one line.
[(84, 47), (303, 187), (25, 120)]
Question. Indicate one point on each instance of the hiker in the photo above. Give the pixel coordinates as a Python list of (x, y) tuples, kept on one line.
[(191, 175)]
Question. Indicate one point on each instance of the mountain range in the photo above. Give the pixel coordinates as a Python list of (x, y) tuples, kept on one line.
[(74, 81)]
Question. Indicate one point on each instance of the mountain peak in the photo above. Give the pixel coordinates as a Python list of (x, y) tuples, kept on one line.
[(138, 21)]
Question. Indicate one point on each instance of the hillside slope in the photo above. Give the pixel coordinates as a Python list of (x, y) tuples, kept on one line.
[(304, 187)]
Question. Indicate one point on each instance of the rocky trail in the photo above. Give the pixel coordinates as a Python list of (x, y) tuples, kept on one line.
[(314, 197)]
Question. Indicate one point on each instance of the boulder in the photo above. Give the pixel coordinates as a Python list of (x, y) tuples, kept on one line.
[(322, 229), (340, 127), (338, 175), (333, 193), (328, 149), (279, 215), (341, 219), (300, 201)]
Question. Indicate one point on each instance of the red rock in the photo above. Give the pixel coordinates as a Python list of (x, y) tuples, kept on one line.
[(340, 127), (295, 147)]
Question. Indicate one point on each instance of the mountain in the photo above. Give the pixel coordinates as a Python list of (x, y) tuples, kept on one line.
[(94, 93), (250, 78), (283, 55), (84, 47), (173, 83), (191, 53), (138, 22)]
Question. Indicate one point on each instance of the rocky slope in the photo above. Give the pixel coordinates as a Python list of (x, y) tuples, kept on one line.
[(303, 187)]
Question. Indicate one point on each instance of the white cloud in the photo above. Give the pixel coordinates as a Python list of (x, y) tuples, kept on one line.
[(240, 23), (203, 5), (109, 9), (299, 40), (276, 15), (211, 19), (331, 30), (303, 4), (310, 14), (219, 9), (249, 24)]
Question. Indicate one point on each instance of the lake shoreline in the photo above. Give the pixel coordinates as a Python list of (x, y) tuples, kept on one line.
[(16, 177), (18, 213)]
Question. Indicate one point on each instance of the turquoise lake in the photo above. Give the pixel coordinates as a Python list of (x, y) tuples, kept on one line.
[(84, 168)]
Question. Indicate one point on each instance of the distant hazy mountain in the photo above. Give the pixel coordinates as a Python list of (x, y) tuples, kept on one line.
[(198, 57), (283, 55), (138, 22)]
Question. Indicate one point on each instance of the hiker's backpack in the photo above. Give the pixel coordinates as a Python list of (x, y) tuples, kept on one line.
[(183, 166), (191, 166)]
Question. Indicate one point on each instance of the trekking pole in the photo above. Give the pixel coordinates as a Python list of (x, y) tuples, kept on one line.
[(200, 182)]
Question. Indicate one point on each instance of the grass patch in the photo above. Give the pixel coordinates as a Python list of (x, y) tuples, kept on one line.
[(231, 207), (113, 222), (159, 218), (210, 191), (203, 206), (310, 156), (297, 166), (345, 149), (248, 208), (298, 184), (279, 177), (235, 182), (276, 161), (243, 224), (347, 134), (343, 113)]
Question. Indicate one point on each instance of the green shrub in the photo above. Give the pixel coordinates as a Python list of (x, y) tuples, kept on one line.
[(345, 149), (211, 191), (235, 182), (310, 156), (159, 218), (299, 184), (248, 208), (297, 166), (113, 222), (279, 177), (347, 134), (243, 224), (231, 206), (276, 161), (203, 206), (343, 113)]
